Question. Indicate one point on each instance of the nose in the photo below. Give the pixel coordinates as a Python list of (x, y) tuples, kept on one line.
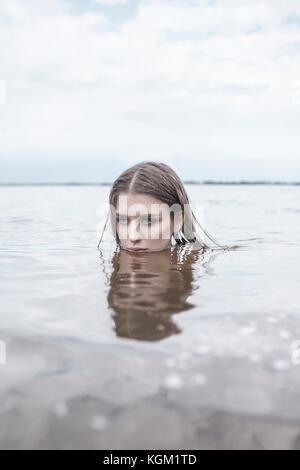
[(133, 232)]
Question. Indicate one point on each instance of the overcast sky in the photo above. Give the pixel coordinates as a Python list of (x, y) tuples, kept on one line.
[(90, 87)]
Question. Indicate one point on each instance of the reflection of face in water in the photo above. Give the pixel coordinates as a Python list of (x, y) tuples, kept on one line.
[(146, 289)]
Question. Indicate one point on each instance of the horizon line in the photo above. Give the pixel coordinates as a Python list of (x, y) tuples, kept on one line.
[(241, 182)]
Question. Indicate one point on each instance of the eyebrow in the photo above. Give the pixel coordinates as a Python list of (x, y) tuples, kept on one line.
[(141, 215)]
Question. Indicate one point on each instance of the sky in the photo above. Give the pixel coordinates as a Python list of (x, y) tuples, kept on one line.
[(91, 87)]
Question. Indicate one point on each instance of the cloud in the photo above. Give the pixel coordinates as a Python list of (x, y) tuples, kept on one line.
[(192, 79)]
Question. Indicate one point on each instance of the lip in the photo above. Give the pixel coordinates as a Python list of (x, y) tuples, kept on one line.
[(136, 249)]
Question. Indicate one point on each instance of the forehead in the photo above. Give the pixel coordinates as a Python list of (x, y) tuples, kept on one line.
[(150, 203)]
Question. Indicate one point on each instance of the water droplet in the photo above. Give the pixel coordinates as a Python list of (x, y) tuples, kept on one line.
[(295, 357), (203, 349), (284, 334), (295, 352), (173, 381), (281, 364), (272, 319), (247, 330)]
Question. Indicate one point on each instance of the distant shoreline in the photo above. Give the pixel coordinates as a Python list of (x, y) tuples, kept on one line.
[(273, 183)]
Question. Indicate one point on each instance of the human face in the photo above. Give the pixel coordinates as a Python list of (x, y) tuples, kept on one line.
[(148, 226)]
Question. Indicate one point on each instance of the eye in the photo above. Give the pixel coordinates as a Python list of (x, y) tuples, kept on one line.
[(122, 220), (148, 220)]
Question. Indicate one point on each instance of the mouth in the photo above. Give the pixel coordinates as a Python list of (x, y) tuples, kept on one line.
[(136, 250)]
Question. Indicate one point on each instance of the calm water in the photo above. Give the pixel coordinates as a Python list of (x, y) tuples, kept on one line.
[(152, 351)]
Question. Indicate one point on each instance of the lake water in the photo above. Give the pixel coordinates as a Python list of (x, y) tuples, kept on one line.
[(156, 350)]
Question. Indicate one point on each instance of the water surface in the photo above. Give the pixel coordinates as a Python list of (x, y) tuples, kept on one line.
[(153, 350)]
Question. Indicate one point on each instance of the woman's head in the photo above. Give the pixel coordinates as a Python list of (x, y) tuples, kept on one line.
[(150, 209), (144, 222)]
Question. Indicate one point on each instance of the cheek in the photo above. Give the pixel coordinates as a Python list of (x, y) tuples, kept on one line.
[(154, 231), (121, 231), (159, 231)]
